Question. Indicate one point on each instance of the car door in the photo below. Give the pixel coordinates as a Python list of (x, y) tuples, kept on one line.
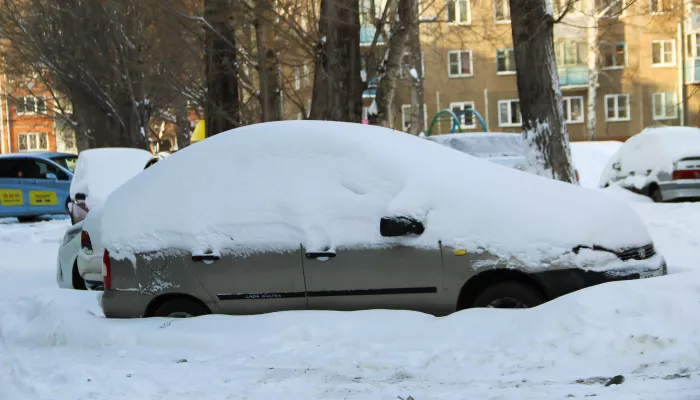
[(257, 283), (393, 276), (12, 198), (47, 194)]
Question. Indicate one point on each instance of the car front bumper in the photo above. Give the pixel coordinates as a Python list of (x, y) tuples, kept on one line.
[(90, 265), (678, 190), (557, 283)]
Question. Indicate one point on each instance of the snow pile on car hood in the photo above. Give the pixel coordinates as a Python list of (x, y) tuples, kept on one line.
[(651, 152), (326, 185), (100, 171), (590, 159)]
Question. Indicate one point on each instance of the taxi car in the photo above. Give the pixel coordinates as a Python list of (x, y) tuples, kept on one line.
[(35, 184)]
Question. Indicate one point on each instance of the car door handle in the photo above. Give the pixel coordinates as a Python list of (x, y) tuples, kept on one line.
[(205, 257), (320, 254)]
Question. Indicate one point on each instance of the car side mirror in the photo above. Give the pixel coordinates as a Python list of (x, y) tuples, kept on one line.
[(400, 226), (52, 176), (80, 197)]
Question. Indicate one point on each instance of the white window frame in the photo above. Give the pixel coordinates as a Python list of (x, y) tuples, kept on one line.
[(692, 45), (462, 119), (655, 12), (403, 117), (38, 140), (567, 109), (23, 99), (297, 78), (617, 110), (510, 116), (514, 71), (620, 15), (307, 75), (456, 3), (614, 46), (663, 95), (459, 59), (661, 43), (506, 6)]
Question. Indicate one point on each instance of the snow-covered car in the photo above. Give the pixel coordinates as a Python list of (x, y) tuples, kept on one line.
[(90, 253), (590, 158), (662, 163), (502, 148), (98, 172), (328, 215)]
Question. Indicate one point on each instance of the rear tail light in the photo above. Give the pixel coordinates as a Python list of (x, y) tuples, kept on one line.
[(85, 242), (686, 174), (106, 270)]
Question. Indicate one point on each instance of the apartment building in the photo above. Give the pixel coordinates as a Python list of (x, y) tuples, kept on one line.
[(645, 55)]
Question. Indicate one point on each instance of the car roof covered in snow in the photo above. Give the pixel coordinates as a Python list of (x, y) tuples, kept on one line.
[(274, 186), (99, 171), (654, 150)]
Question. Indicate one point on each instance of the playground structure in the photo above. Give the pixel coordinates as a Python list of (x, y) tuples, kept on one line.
[(456, 123)]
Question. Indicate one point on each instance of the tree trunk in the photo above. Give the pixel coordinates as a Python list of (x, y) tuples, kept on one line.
[(268, 67), (593, 70), (544, 125), (221, 109), (418, 122), (389, 72), (182, 123), (337, 92)]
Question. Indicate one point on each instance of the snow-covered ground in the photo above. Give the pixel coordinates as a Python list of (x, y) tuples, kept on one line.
[(55, 344)]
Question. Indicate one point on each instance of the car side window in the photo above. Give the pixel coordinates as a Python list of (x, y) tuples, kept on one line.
[(8, 168), (62, 176), (37, 169)]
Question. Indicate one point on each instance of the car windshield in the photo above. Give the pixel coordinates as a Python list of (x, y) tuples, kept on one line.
[(67, 162)]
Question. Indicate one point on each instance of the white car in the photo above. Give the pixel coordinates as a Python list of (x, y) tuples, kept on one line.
[(97, 174), (662, 163)]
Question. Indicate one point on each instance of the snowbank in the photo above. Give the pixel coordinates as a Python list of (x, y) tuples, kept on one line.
[(270, 187), (653, 151), (100, 171), (590, 159)]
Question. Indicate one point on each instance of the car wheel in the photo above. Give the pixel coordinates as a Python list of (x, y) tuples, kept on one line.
[(655, 195), (78, 281), (181, 307), (31, 218), (509, 294)]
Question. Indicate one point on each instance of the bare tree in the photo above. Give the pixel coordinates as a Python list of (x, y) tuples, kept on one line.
[(544, 123), (391, 65), (415, 71)]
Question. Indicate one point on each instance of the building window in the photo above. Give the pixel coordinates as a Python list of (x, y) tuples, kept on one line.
[(458, 11), (297, 78), (31, 105), (509, 113), (505, 61), (665, 105), (693, 45), (573, 108), (502, 10), (663, 53), (459, 63), (660, 6), (614, 55), (307, 74), (33, 141), (466, 118), (612, 8), (570, 53), (406, 117), (617, 107)]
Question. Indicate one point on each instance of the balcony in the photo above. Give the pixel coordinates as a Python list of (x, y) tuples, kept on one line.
[(692, 70), (573, 76), (367, 32)]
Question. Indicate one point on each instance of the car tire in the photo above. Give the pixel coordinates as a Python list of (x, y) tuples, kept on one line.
[(655, 195), (181, 307), (509, 294), (31, 218), (78, 281)]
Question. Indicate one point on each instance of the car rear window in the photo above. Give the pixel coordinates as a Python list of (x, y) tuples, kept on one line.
[(67, 162)]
